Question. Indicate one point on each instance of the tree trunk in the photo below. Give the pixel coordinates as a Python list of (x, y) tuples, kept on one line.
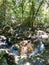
[(4, 10)]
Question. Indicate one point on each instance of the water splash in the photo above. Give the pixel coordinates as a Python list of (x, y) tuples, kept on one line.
[(39, 49)]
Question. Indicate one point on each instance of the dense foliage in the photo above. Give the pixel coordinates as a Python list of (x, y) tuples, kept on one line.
[(19, 19), (23, 11), (30, 13)]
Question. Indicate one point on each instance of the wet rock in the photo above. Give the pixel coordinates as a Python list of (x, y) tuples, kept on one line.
[(42, 34), (6, 29), (3, 42), (27, 63), (16, 59), (4, 50), (23, 56), (2, 37)]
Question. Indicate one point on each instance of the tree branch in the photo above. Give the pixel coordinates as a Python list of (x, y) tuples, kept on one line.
[(39, 7)]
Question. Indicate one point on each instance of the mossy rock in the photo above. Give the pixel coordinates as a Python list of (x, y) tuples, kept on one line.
[(16, 46), (6, 28), (2, 52)]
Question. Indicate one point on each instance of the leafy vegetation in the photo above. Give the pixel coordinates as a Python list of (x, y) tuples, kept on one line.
[(19, 19)]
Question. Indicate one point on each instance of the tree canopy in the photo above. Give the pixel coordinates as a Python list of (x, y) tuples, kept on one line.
[(27, 12)]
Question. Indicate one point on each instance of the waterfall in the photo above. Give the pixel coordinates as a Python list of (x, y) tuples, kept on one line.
[(41, 47)]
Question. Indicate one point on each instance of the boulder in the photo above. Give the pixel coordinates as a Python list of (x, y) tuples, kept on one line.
[(16, 46), (2, 37), (42, 34)]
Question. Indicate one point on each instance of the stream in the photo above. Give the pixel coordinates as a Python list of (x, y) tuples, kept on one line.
[(40, 56)]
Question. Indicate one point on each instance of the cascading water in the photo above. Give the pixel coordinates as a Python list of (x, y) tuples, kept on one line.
[(39, 49)]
